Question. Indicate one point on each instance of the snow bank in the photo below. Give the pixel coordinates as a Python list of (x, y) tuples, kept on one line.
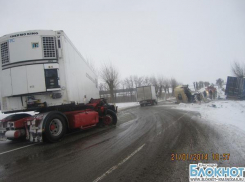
[(125, 105), (224, 112)]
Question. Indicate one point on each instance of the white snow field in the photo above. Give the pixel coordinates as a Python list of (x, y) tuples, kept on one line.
[(125, 105), (223, 112)]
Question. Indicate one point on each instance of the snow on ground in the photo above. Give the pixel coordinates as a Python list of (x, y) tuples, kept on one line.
[(223, 112), (125, 105)]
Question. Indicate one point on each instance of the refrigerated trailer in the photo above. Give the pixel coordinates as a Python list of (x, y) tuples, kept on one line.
[(42, 71), (146, 95)]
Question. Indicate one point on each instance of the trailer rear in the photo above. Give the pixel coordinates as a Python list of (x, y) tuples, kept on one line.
[(146, 95), (235, 88)]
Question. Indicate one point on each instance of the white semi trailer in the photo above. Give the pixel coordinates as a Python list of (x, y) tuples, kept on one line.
[(42, 71), (43, 67), (146, 95)]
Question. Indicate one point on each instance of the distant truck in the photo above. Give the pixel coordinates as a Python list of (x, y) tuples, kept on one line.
[(42, 71), (184, 95), (235, 88), (146, 95)]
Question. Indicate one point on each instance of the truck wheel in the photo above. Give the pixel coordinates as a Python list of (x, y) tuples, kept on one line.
[(110, 118), (55, 128)]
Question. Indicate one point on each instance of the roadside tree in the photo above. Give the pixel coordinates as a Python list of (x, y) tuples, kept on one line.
[(110, 76)]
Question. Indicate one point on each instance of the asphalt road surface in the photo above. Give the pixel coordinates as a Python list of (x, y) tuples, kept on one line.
[(148, 144)]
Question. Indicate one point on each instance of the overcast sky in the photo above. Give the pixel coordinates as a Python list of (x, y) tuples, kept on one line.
[(190, 40)]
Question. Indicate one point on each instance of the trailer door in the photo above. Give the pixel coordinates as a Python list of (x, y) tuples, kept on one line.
[(6, 83), (147, 91), (35, 78), (19, 80), (140, 94)]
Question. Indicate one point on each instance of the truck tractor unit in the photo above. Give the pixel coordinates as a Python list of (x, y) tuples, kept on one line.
[(146, 95), (42, 71)]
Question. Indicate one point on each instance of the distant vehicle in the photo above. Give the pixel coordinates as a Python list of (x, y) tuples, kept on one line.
[(42, 71), (146, 95), (212, 92), (183, 94), (235, 88)]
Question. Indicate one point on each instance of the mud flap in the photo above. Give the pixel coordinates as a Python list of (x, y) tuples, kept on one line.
[(35, 134), (2, 136)]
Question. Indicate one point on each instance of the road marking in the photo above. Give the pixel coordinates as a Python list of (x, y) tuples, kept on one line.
[(17, 149), (172, 124), (181, 116), (119, 164)]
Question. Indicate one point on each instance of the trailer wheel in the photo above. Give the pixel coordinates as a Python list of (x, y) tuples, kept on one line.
[(110, 118), (55, 128)]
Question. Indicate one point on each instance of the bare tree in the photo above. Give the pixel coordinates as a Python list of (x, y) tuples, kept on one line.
[(201, 84), (166, 86), (154, 82), (146, 81), (238, 69), (206, 84), (220, 82), (138, 81), (174, 84), (102, 87), (161, 85), (110, 76), (129, 83)]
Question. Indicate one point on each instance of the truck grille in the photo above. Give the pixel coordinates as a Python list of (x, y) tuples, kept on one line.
[(5, 52), (49, 50)]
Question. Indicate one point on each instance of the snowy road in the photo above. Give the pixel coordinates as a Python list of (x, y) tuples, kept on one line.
[(142, 147)]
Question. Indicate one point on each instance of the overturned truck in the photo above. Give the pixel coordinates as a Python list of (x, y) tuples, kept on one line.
[(183, 94), (43, 72)]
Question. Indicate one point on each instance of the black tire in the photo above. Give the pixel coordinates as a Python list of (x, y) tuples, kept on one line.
[(142, 105), (113, 115), (58, 133)]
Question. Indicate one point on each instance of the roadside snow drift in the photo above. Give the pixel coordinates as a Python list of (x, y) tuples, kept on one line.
[(126, 105), (224, 112)]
